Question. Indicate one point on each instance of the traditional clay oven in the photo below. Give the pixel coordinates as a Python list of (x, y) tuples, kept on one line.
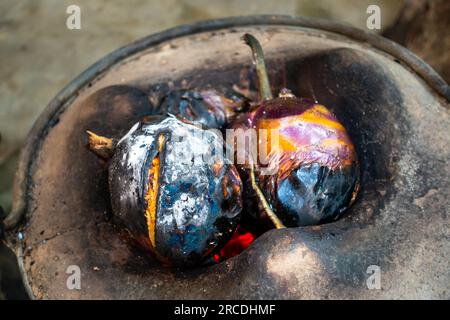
[(395, 107)]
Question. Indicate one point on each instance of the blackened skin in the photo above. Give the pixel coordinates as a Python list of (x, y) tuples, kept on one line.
[(315, 194), (198, 203), (191, 106)]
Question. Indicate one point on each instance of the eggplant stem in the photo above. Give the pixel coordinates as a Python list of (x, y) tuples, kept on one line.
[(103, 147), (261, 70), (273, 217)]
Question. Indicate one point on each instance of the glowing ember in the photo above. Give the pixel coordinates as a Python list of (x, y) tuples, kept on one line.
[(240, 241)]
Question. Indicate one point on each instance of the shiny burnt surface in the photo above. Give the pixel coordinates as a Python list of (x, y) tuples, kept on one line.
[(316, 169), (192, 208)]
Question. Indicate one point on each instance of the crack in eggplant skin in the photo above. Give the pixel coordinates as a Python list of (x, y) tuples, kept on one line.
[(151, 193), (198, 203)]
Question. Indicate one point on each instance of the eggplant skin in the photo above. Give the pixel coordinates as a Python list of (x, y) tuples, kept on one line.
[(198, 199), (207, 107), (194, 106), (315, 194), (316, 174)]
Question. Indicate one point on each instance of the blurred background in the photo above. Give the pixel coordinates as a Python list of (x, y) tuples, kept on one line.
[(39, 55)]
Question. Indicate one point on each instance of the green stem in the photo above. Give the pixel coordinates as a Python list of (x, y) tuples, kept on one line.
[(265, 94), (261, 71), (272, 216)]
